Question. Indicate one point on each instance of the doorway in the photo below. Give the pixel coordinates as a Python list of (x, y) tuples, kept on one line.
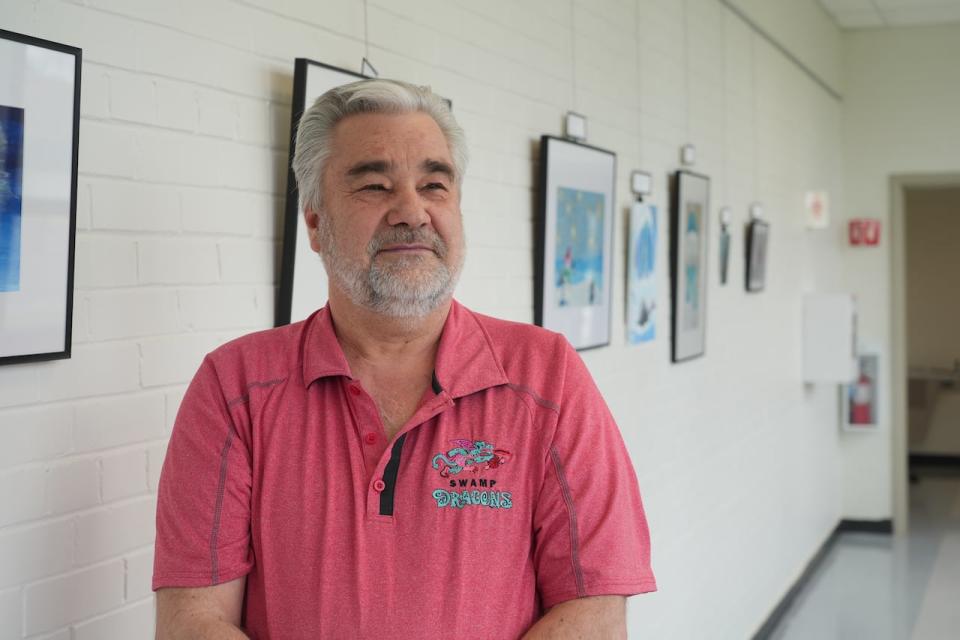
[(925, 275)]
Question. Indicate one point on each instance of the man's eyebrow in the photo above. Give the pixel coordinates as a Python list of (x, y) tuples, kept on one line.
[(438, 166), (370, 166)]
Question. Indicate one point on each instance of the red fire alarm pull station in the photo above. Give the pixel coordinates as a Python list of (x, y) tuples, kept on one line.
[(864, 231)]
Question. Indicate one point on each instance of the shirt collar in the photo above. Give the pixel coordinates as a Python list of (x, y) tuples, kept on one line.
[(466, 362), (322, 353)]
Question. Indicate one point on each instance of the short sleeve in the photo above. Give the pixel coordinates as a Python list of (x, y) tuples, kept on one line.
[(590, 530), (203, 504)]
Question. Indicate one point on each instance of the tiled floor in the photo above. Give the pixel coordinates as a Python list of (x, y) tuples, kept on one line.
[(877, 587)]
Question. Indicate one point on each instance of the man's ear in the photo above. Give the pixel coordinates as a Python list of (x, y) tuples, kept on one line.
[(312, 219)]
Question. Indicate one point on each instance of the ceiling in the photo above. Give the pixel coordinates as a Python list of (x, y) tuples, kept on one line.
[(867, 14)]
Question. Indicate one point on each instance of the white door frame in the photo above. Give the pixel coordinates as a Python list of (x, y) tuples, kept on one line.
[(898, 332)]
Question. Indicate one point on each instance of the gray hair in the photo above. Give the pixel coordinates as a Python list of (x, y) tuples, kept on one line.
[(365, 96)]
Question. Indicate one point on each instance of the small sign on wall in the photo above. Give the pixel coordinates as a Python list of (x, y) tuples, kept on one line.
[(864, 232), (817, 204)]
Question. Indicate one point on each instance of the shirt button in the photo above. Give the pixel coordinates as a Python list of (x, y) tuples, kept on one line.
[(371, 438), (355, 391), (379, 486)]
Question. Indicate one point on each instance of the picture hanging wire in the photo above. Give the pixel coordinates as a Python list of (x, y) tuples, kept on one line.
[(366, 33), (573, 55), (367, 69)]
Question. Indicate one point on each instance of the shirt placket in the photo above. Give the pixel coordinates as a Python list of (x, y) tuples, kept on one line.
[(368, 426), (382, 459)]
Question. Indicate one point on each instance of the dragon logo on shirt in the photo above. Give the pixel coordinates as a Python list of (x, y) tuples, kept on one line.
[(470, 455), (475, 456)]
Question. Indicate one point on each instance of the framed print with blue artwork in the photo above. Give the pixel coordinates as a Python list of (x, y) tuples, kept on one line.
[(574, 249), (688, 264), (641, 274), (39, 120)]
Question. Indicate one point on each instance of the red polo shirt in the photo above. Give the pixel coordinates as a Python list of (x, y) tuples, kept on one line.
[(509, 490)]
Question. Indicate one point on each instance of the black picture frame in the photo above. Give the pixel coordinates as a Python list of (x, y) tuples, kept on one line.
[(569, 168), (290, 271), (31, 329), (758, 234), (689, 264)]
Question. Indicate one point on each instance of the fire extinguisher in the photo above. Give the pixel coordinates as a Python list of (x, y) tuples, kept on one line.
[(861, 401)]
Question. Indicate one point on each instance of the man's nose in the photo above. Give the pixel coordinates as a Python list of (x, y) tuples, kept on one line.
[(408, 207)]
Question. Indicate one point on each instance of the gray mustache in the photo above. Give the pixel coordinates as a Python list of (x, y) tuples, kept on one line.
[(408, 236)]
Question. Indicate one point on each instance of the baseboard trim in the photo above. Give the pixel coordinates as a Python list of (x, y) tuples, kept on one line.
[(934, 460), (865, 526), (844, 526)]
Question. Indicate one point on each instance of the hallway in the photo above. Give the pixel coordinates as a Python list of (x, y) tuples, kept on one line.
[(877, 587)]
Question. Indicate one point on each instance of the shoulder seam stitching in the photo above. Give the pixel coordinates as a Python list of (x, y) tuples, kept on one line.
[(571, 511), (546, 404), (245, 397), (218, 509)]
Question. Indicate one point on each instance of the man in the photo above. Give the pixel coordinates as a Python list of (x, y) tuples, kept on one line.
[(396, 465)]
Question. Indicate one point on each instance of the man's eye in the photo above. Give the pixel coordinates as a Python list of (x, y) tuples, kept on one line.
[(373, 187), (435, 186)]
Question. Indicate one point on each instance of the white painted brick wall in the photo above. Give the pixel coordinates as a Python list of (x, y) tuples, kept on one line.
[(139, 574), (105, 261), (184, 135), (114, 152), (130, 313), (123, 474), (133, 622), (10, 614), (52, 603), (218, 307), (115, 529), (72, 485), (177, 261), (132, 206), (22, 495), (92, 370), (104, 423), (30, 552), (133, 97), (35, 434), (177, 105), (173, 359)]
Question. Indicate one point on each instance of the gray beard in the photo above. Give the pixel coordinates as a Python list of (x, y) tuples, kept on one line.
[(398, 287)]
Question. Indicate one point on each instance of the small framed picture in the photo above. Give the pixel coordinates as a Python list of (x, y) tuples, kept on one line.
[(724, 254), (641, 274), (758, 233), (574, 251), (859, 398), (688, 264), (39, 136)]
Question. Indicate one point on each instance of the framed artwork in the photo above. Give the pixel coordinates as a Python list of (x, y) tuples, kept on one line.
[(859, 398), (641, 274), (758, 232), (39, 136), (303, 280), (724, 253), (574, 250), (688, 264)]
